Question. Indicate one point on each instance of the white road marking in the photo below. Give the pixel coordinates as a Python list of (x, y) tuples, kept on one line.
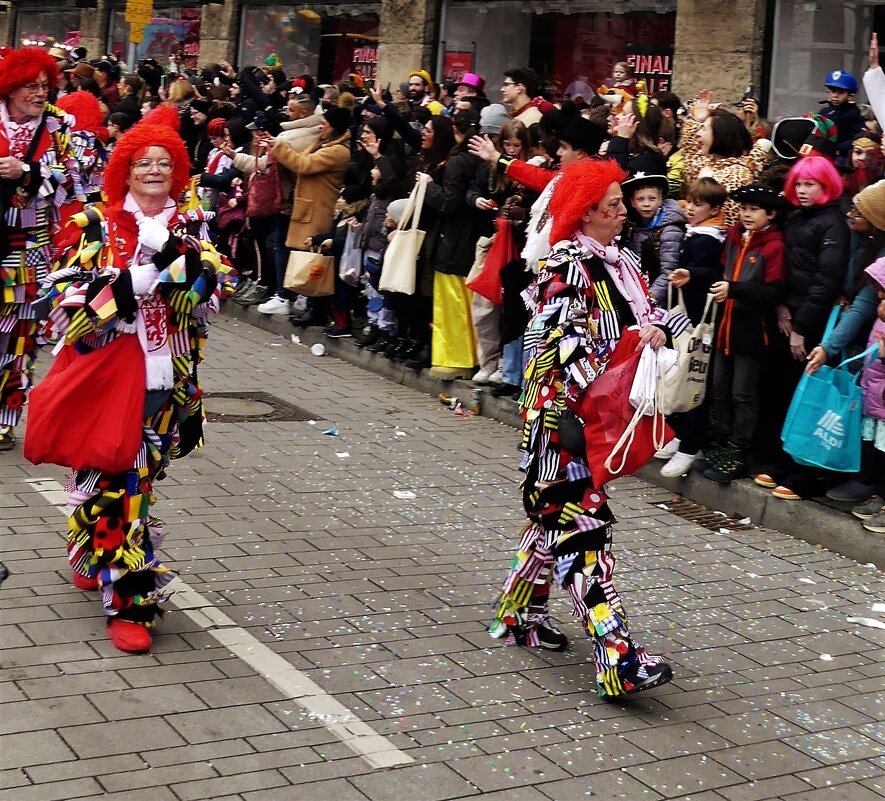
[(361, 738)]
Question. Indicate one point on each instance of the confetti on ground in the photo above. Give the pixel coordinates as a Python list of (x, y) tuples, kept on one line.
[(331, 432), (405, 495), (343, 455), (867, 621)]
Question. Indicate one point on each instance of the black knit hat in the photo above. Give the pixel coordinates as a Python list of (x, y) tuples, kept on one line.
[(760, 195), (339, 118), (203, 106)]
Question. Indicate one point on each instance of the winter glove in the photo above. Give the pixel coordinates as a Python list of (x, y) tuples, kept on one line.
[(152, 233), (144, 276)]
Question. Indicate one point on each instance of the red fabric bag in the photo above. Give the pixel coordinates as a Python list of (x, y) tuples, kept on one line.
[(501, 253), (607, 413), (265, 196), (89, 410)]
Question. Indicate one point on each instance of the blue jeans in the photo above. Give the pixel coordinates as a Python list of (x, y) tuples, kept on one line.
[(513, 362)]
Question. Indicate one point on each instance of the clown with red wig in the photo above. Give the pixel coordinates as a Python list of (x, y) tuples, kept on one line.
[(587, 293), (134, 285), (37, 173)]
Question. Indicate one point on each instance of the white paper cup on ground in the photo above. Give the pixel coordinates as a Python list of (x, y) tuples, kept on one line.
[(318, 349)]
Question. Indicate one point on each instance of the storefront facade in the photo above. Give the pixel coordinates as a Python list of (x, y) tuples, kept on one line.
[(782, 48)]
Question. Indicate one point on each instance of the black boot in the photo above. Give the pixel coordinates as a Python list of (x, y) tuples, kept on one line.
[(369, 339), (730, 464), (420, 359)]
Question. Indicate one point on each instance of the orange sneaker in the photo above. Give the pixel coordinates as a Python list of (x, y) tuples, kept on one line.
[(84, 582), (765, 480), (133, 638), (785, 494)]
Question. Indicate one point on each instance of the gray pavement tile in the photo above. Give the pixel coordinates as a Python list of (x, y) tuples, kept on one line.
[(48, 654), (751, 727), (843, 773), (875, 730), (10, 692), (32, 748), (283, 758), (316, 773), (664, 742), (116, 738), (763, 789), (605, 784), (858, 792), (159, 675), (837, 745), (223, 724), (206, 752), (682, 776), (509, 769), (52, 791), (822, 715), (329, 790), (169, 775), (436, 783), (22, 716), (77, 684), (131, 704), (233, 691), (240, 783), (13, 778), (764, 760)]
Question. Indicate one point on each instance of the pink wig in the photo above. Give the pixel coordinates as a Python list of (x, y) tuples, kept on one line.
[(814, 168), (158, 129), (20, 67), (582, 185)]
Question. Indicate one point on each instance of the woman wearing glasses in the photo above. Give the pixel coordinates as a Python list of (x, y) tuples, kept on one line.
[(136, 284), (37, 171)]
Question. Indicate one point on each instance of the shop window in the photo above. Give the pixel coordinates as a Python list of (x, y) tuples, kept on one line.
[(173, 32), (48, 27), (325, 41), (811, 40), (568, 42)]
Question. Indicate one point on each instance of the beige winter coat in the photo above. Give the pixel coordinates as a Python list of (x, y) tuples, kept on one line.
[(319, 176)]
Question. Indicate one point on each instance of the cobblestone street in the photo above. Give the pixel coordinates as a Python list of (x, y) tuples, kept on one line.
[(329, 641)]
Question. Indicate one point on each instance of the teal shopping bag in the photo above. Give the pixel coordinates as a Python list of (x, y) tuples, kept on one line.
[(823, 423)]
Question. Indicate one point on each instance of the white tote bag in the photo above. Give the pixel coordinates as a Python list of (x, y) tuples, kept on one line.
[(401, 257), (684, 387)]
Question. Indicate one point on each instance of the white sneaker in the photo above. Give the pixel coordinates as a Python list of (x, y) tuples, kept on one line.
[(299, 304), (276, 305), (497, 378), (481, 376), (679, 464), (668, 450)]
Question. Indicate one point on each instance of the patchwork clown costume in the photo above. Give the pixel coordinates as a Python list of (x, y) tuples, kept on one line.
[(579, 315)]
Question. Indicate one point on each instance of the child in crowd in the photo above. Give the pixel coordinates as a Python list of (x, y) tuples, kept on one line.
[(873, 431), (842, 110), (751, 289), (700, 266), (622, 78), (657, 223)]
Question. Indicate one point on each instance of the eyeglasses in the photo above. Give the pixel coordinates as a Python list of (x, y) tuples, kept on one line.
[(164, 166), (508, 83), (35, 88)]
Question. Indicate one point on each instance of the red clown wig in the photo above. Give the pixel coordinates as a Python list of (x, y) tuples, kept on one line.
[(158, 129), (582, 185), (814, 168), (20, 67), (87, 114)]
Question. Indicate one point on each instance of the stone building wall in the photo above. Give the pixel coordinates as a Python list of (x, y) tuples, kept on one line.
[(407, 32)]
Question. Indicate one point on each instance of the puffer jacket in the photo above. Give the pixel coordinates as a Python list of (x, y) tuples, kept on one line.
[(658, 244), (873, 378), (817, 242)]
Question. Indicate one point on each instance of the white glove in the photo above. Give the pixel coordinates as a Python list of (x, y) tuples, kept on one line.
[(152, 233), (144, 276)]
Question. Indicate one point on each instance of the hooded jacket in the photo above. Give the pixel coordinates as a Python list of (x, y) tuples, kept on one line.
[(873, 378), (817, 244), (754, 269), (701, 255)]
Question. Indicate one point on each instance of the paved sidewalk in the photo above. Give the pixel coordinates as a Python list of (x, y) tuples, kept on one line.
[(311, 547)]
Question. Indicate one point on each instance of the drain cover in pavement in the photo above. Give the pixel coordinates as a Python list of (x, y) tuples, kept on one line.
[(695, 513), (247, 407)]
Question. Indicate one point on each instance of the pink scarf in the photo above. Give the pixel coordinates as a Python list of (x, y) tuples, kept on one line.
[(622, 267)]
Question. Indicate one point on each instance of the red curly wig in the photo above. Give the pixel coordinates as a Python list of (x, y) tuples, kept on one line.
[(20, 67), (157, 129), (582, 185), (87, 114)]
